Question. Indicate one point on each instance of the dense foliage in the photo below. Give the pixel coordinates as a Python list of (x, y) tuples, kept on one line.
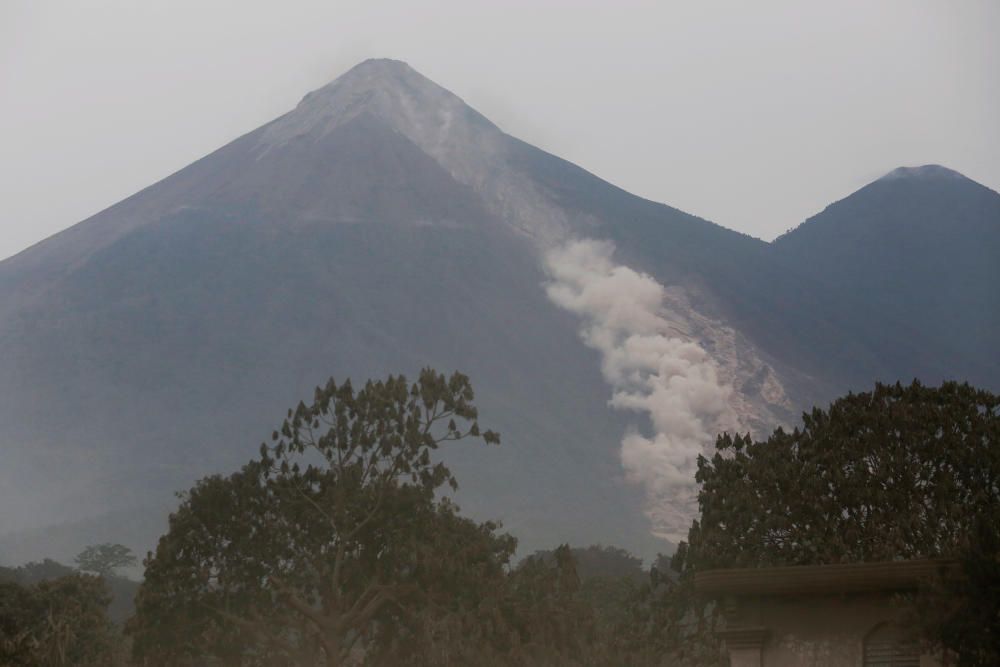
[(58, 622), (325, 546), (960, 611), (610, 579), (898, 472), (335, 547)]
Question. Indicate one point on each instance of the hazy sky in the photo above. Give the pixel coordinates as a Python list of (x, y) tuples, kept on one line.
[(752, 114)]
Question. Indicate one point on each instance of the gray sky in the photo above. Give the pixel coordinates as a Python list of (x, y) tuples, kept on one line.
[(752, 114)]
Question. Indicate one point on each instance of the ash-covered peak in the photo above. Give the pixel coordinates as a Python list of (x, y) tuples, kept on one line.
[(374, 74), (390, 90), (383, 66), (474, 151), (924, 172)]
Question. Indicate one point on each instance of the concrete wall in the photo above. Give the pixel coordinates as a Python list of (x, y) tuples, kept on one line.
[(810, 631)]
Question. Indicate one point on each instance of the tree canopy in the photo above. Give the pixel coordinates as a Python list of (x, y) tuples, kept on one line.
[(335, 546), (898, 472), (960, 611), (324, 544), (58, 622), (104, 559)]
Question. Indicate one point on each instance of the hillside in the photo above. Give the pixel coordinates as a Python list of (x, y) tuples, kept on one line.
[(912, 262)]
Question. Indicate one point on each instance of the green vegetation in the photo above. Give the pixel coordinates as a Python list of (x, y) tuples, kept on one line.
[(104, 559), (898, 472), (331, 542), (961, 611), (59, 622), (335, 546)]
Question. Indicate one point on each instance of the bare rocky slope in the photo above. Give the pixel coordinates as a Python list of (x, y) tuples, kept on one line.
[(383, 225)]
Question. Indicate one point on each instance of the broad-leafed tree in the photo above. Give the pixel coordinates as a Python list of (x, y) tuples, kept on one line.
[(897, 472), (58, 622), (104, 559), (329, 541)]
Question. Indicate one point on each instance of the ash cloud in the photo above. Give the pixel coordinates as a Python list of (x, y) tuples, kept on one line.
[(652, 368)]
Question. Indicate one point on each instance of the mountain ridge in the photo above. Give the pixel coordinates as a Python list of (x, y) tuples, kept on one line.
[(159, 340), (907, 248)]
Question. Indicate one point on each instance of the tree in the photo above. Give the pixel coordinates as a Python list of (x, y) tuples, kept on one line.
[(35, 571), (537, 614), (667, 623), (18, 642), (456, 619), (898, 472), (58, 622), (601, 561), (104, 559), (327, 545), (609, 578), (556, 624), (959, 611)]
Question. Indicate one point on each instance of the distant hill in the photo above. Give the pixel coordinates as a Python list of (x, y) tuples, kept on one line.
[(383, 225), (912, 262)]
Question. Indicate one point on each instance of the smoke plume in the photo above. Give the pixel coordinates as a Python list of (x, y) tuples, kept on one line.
[(651, 369)]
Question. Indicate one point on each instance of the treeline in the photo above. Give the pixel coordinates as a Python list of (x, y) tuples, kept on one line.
[(335, 546), (52, 614)]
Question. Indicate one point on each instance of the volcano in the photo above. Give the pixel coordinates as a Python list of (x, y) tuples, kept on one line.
[(382, 226)]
